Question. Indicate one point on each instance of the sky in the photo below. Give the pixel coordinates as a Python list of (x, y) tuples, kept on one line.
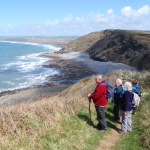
[(71, 17)]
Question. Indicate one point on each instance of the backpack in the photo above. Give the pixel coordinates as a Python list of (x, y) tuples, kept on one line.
[(110, 90), (137, 91), (136, 100)]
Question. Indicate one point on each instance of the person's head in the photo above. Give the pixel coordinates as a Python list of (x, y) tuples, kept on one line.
[(135, 82), (99, 78), (118, 82), (128, 86)]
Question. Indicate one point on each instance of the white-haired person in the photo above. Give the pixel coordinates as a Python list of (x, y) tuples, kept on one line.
[(127, 108), (100, 101), (117, 100)]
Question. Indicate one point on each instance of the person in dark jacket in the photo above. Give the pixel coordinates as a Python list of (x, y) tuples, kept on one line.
[(118, 94), (127, 108), (100, 101)]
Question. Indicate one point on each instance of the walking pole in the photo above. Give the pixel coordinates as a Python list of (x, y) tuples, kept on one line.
[(90, 107)]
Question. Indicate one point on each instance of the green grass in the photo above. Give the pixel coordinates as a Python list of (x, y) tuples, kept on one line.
[(75, 132), (68, 132), (139, 138)]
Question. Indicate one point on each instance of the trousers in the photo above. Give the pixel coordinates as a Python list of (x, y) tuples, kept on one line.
[(116, 111), (102, 125), (126, 121)]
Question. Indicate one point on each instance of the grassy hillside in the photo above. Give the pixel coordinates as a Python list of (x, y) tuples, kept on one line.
[(83, 43), (123, 46), (62, 122)]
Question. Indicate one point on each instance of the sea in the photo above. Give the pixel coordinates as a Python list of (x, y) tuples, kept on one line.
[(21, 65)]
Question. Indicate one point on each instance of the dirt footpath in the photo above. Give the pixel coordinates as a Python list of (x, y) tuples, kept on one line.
[(110, 140)]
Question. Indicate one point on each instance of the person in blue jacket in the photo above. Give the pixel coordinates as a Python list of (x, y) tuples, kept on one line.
[(127, 108), (136, 89)]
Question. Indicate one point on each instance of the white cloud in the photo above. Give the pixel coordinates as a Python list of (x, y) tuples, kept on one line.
[(109, 11), (128, 11), (68, 18), (145, 10), (6, 29), (49, 22), (128, 18), (80, 19)]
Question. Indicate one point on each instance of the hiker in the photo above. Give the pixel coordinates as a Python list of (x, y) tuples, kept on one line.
[(127, 108), (118, 94), (100, 101), (136, 89)]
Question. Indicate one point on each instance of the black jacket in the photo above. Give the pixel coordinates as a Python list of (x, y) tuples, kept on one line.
[(118, 95)]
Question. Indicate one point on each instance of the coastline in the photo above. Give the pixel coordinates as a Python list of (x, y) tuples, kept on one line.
[(8, 98), (69, 74), (73, 67), (59, 42), (96, 67)]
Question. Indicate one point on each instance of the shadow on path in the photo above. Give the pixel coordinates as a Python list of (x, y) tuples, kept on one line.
[(110, 120), (109, 117), (86, 119)]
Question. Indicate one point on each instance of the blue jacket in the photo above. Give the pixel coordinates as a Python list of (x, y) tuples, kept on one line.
[(136, 89), (127, 101)]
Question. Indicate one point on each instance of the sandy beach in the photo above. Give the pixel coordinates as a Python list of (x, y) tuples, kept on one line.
[(58, 41)]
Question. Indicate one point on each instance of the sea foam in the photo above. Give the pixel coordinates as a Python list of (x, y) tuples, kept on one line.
[(27, 70)]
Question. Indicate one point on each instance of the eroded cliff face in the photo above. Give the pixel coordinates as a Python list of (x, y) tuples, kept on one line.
[(121, 46), (124, 47)]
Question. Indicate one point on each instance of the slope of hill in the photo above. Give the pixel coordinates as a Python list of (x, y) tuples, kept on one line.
[(122, 46), (62, 122), (83, 43)]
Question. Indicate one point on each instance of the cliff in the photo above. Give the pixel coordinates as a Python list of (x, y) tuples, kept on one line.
[(121, 46)]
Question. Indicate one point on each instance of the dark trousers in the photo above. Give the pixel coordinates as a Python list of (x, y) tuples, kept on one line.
[(102, 125), (116, 112)]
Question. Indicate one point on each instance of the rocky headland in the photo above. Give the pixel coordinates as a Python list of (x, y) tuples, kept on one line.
[(120, 46)]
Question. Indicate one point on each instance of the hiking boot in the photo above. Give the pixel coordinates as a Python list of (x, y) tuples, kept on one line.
[(133, 113), (98, 127), (121, 132), (118, 121), (102, 131)]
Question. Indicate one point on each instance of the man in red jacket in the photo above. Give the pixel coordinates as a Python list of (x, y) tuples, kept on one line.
[(100, 101)]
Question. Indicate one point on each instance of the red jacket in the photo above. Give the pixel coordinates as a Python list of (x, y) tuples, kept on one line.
[(99, 95)]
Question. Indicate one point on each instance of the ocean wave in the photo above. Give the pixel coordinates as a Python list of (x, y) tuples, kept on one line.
[(29, 56), (26, 63), (46, 46), (37, 79), (29, 80), (26, 70)]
